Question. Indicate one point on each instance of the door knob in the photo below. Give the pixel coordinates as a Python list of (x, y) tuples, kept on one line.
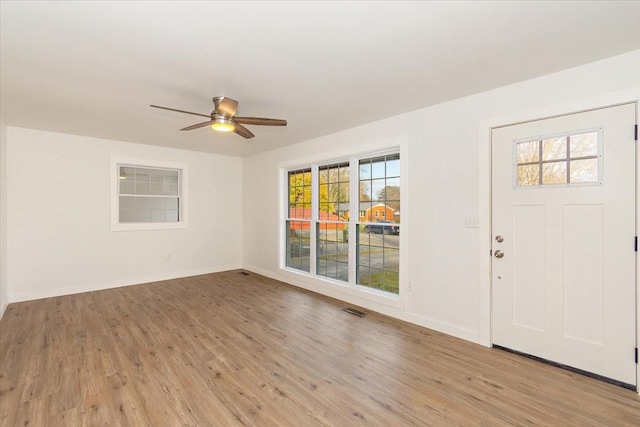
[(499, 253)]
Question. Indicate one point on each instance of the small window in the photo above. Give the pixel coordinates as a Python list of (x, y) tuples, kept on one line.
[(571, 158), (146, 196)]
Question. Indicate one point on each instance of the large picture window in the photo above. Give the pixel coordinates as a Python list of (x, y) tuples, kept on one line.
[(324, 239)]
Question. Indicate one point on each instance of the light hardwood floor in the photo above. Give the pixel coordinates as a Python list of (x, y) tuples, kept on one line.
[(231, 350)]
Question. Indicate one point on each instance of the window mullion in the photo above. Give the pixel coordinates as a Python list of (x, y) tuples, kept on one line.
[(540, 160), (313, 229), (568, 151), (354, 216)]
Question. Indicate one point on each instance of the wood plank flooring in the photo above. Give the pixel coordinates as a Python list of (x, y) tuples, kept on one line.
[(233, 350)]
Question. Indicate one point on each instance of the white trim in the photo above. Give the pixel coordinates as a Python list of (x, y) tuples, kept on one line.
[(396, 310), (326, 286), (379, 148), (184, 179), (132, 281), (484, 191)]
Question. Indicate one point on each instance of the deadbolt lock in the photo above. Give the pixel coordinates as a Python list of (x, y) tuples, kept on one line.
[(499, 239)]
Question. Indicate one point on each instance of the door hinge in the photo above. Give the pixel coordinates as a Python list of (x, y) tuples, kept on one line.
[(635, 244), (635, 133), (636, 354)]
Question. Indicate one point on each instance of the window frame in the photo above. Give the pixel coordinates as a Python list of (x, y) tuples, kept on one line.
[(541, 162), (318, 222), (299, 220), (116, 164), (394, 146)]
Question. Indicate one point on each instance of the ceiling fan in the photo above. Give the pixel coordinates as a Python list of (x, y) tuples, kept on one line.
[(223, 118)]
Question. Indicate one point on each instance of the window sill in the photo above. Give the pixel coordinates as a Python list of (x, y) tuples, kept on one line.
[(148, 226), (332, 288)]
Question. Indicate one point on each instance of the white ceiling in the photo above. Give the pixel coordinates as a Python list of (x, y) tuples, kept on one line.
[(92, 68)]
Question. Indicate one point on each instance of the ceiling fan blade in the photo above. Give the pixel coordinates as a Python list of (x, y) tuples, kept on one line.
[(243, 131), (198, 125), (260, 121), (179, 111), (226, 107)]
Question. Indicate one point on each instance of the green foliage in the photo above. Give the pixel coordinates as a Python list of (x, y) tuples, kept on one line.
[(300, 189), (388, 281), (333, 188)]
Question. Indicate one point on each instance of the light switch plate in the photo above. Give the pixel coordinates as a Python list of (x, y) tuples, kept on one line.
[(471, 221)]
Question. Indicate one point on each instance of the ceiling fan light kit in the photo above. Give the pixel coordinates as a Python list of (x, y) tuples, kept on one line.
[(223, 118), (223, 125)]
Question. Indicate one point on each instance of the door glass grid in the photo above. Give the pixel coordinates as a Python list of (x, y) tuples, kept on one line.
[(570, 158)]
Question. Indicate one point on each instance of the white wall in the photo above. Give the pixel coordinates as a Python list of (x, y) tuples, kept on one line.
[(4, 299), (446, 149), (59, 236)]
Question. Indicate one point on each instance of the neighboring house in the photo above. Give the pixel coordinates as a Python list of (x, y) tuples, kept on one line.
[(367, 212), (378, 212), (323, 216)]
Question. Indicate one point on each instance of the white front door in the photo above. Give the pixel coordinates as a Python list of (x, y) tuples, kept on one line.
[(563, 224)]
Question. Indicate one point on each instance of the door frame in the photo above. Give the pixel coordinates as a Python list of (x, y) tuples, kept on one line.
[(486, 127)]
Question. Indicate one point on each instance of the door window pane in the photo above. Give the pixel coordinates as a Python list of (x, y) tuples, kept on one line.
[(583, 145), (554, 148), (584, 170), (554, 173), (529, 175), (527, 152)]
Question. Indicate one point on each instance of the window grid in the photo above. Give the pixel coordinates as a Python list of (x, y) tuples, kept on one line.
[(378, 231), (380, 184), (565, 159), (332, 247), (148, 195), (298, 225), (372, 185)]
